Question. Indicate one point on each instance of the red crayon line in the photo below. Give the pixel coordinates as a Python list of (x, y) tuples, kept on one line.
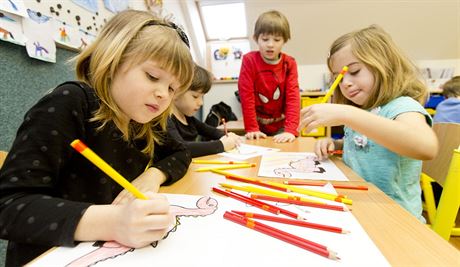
[(299, 202), (317, 226), (281, 235)]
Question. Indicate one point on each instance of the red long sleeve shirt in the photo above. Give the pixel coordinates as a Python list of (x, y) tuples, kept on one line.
[(268, 92)]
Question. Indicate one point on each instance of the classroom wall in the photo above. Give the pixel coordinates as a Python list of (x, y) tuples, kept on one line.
[(427, 31), (24, 81)]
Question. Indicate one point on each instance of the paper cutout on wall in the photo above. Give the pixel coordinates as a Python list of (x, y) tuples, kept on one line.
[(66, 35), (16, 7), (116, 6), (39, 31), (11, 28), (90, 5)]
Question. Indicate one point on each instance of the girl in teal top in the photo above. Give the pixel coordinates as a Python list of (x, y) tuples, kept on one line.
[(387, 130)]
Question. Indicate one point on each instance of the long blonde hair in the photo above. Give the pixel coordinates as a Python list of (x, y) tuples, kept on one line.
[(134, 37), (394, 74)]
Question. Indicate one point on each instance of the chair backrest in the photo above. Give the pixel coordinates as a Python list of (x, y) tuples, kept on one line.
[(2, 157), (449, 139)]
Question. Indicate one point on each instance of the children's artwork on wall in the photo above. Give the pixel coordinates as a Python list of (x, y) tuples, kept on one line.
[(299, 165), (116, 6), (202, 237), (90, 5), (16, 7), (38, 29), (11, 28), (85, 38), (66, 35), (436, 77), (226, 58)]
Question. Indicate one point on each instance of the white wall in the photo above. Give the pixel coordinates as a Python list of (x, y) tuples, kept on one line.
[(310, 76)]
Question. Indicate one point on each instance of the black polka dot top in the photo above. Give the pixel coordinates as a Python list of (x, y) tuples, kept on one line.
[(45, 185)]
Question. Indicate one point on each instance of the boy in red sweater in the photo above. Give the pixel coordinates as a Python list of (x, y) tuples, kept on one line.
[(268, 83)]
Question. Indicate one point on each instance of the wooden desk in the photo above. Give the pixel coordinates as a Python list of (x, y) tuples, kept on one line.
[(401, 238)]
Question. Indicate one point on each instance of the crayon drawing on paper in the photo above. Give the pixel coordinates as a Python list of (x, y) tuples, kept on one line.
[(300, 166)]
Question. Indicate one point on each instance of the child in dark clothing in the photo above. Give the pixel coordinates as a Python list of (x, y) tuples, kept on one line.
[(50, 195), (187, 128)]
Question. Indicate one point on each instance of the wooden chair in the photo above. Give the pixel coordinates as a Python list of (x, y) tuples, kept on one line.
[(445, 170)]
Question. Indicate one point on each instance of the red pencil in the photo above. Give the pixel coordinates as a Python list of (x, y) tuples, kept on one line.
[(297, 182), (225, 126), (247, 200), (299, 202), (267, 206), (318, 226), (284, 236), (257, 182)]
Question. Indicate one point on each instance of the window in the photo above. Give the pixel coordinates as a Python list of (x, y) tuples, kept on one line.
[(223, 21)]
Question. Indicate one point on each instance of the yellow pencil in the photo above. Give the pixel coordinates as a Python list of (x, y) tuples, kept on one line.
[(334, 85), (238, 166), (203, 161), (101, 164), (314, 193), (267, 192)]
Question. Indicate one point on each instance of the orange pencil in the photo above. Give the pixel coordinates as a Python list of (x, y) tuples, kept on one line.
[(342, 186), (317, 226), (299, 202), (281, 235), (256, 182)]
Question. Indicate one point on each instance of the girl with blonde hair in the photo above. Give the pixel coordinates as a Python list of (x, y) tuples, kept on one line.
[(50, 194), (387, 130)]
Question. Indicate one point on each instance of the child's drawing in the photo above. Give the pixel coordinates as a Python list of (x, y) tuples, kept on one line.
[(309, 164), (11, 28), (300, 166), (38, 30), (110, 249), (244, 151)]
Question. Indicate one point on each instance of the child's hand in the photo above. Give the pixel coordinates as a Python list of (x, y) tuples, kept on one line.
[(255, 135), (141, 222), (283, 137), (230, 141), (318, 115), (322, 146), (148, 181)]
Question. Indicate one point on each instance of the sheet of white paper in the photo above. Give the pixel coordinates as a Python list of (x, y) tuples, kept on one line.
[(214, 241), (245, 151), (300, 165)]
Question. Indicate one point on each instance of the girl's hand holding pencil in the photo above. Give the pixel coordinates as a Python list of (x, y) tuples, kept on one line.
[(230, 141), (148, 181)]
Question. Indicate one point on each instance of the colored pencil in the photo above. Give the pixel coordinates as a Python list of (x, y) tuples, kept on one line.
[(334, 85), (249, 201), (256, 182), (236, 166), (253, 189), (282, 211), (314, 193), (299, 202), (341, 186), (106, 168), (317, 226), (281, 235), (203, 161), (335, 152), (225, 126)]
